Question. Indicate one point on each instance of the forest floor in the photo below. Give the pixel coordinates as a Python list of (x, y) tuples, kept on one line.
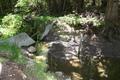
[(11, 71)]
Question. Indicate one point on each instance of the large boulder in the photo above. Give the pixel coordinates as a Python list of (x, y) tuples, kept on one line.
[(63, 54), (26, 43), (21, 39)]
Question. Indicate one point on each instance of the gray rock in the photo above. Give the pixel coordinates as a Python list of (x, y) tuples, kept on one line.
[(59, 75), (21, 39), (25, 51), (31, 49), (67, 78), (47, 29)]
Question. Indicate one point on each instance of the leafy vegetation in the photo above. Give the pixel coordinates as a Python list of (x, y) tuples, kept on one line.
[(10, 25), (78, 21), (25, 6), (32, 16)]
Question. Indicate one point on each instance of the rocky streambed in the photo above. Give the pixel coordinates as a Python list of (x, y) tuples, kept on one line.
[(73, 54), (64, 58)]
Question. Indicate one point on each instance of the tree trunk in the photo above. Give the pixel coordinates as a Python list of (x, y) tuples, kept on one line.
[(1, 10), (93, 2), (112, 12), (79, 5)]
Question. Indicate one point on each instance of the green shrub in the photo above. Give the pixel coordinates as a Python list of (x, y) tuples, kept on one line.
[(76, 21), (23, 4), (10, 25), (38, 6)]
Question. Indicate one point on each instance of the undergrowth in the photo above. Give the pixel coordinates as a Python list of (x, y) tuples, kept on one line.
[(79, 20), (14, 53), (38, 70), (10, 25)]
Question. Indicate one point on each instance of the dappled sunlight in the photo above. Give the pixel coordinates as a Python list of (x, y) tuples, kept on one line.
[(59, 40), (101, 70), (40, 58), (76, 76)]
